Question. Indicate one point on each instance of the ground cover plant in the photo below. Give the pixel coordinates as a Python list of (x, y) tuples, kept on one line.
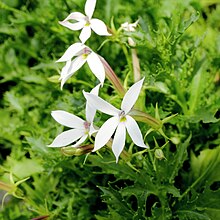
[(120, 124)]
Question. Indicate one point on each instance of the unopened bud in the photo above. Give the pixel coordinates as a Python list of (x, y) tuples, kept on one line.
[(77, 151), (159, 154), (175, 140)]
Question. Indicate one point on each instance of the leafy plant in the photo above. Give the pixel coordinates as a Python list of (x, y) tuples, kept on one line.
[(175, 47)]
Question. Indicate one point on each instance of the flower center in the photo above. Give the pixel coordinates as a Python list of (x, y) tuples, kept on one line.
[(86, 52), (86, 126), (122, 116), (87, 22), (84, 56)]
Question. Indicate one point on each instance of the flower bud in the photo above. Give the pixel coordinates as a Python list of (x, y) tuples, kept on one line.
[(159, 154), (77, 151)]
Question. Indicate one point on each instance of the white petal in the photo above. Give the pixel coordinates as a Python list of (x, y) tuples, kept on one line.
[(67, 119), (92, 130), (90, 7), (96, 66), (85, 34), (66, 73), (80, 141), (134, 131), (95, 90), (71, 51), (75, 16), (73, 26), (131, 96), (76, 64), (99, 27), (119, 140), (67, 137), (90, 111), (81, 18), (105, 132), (100, 104)]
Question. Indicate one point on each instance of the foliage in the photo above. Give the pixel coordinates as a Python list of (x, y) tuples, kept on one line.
[(178, 45)]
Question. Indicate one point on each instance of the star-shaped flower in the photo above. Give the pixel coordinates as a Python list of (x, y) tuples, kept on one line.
[(80, 129), (86, 22), (82, 54), (119, 123)]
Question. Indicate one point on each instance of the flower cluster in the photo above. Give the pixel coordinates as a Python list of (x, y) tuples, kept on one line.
[(114, 129)]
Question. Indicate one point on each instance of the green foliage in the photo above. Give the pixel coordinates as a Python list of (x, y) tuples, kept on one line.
[(177, 43)]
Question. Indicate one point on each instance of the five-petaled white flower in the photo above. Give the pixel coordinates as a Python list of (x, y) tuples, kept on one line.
[(86, 22), (83, 54), (80, 129), (120, 121)]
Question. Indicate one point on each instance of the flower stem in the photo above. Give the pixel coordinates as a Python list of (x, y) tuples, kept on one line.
[(135, 60), (110, 74)]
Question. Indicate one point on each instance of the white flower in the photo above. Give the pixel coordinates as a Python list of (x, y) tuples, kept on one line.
[(83, 54), (80, 129), (86, 22), (129, 27), (119, 123)]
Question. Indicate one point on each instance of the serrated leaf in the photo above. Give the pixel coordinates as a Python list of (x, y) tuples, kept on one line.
[(191, 215), (206, 115), (116, 201), (13, 101)]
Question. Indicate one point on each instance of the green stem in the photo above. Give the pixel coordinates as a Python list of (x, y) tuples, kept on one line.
[(152, 161), (110, 74), (136, 65)]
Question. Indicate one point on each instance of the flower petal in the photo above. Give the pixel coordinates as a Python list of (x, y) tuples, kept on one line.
[(73, 26), (81, 18), (76, 64), (75, 16), (99, 27), (80, 141), (90, 111), (67, 137), (93, 129), (68, 71), (85, 34), (119, 140), (67, 119), (71, 51), (100, 104), (90, 7), (131, 96), (105, 132), (96, 66), (134, 131), (64, 73)]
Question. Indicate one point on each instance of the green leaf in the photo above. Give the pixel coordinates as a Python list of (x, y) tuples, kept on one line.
[(197, 86), (25, 167), (116, 201), (206, 166)]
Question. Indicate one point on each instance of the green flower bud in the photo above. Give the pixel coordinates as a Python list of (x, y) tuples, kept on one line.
[(77, 151), (159, 154)]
